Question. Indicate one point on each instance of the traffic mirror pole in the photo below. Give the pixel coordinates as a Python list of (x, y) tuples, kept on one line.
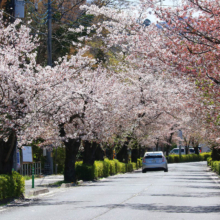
[(32, 175)]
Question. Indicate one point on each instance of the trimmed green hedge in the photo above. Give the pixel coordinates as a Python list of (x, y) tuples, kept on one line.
[(139, 162), (209, 161), (104, 169), (215, 165), (11, 186), (188, 158)]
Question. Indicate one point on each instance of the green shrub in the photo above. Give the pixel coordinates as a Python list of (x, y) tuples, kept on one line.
[(112, 167), (139, 162), (129, 167), (106, 168), (103, 169), (188, 158), (117, 166), (216, 166), (95, 170), (134, 166), (176, 158), (100, 166), (85, 172), (209, 160), (206, 155), (123, 167), (11, 186)]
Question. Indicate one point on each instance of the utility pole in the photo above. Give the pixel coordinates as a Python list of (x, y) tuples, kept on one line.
[(49, 158), (49, 39), (180, 142)]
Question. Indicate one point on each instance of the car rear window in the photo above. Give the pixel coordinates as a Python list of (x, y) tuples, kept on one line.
[(153, 156)]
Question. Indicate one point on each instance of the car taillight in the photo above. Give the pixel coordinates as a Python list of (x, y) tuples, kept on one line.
[(163, 159), (144, 160)]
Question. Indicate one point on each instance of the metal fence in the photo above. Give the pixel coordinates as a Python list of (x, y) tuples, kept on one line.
[(26, 169)]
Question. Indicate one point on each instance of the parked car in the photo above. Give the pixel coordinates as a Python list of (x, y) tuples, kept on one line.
[(154, 161), (176, 151), (183, 150)]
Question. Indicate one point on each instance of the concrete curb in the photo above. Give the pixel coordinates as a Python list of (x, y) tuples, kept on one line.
[(66, 185), (80, 182), (36, 192)]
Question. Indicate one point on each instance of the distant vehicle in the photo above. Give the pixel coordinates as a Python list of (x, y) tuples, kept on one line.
[(183, 150), (153, 161)]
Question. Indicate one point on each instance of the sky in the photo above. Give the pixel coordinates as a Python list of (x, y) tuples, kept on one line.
[(150, 16), (147, 14)]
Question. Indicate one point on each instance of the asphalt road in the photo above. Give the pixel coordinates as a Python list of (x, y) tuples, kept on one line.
[(187, 191)]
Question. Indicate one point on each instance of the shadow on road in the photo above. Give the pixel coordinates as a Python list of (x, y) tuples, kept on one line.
[(190, 179), (204, 187), (203, 182), (197, 195), (159, 208), (139, 206), (40, 202)]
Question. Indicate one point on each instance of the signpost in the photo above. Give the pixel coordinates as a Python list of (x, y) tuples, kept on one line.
[(32, 176), (27, 156)]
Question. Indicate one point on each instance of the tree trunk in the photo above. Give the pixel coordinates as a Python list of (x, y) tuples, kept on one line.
[(122, 155), (72, 148), (6, 153), (195, 146), (168, 145), (109, 153), (134, 155), (89, 152), (141, 151), (215, 153), (187, 149), (99, 153)]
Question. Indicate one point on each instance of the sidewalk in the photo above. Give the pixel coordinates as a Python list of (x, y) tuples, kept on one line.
[(41, 185)]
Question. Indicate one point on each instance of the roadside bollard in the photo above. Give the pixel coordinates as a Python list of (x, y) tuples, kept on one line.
[(32, 176)]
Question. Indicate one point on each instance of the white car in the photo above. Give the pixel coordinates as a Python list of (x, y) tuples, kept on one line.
[(176, 151), (154, 161)]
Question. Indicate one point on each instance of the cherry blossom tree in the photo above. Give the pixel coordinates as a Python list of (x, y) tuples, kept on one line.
[(78, 100), (17, 58), (168, 50), (69, 102), (191, 32), (79, 103)]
